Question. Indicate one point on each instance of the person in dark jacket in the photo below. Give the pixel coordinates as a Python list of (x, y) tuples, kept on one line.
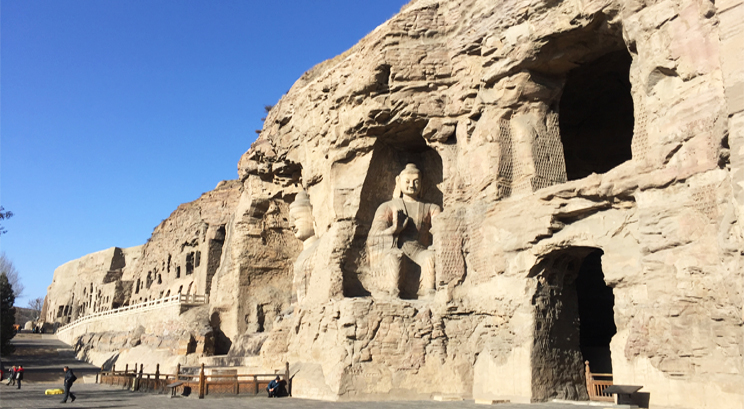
[(69, 380), (11, 378), (19, 375), (273, 388)]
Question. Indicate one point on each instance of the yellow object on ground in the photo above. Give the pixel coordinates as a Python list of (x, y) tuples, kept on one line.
[(54, 392)]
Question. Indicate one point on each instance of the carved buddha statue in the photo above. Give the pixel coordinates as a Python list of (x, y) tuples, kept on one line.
[(400, 234), (301, 221)]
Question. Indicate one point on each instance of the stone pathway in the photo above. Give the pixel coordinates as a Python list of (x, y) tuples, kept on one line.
[(43, 357), (43, 360)]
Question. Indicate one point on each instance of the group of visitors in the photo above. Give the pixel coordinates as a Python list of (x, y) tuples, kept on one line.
[(35, 330), (16, 376)]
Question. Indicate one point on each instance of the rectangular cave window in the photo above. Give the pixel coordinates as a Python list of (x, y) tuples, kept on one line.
[(190, 263), (596, 115), (178, 271), (198, 259)]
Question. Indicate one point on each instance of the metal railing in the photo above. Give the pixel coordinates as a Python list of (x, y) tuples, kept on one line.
[(141, 307)]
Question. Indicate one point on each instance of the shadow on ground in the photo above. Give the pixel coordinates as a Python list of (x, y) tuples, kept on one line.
[(43, 359)]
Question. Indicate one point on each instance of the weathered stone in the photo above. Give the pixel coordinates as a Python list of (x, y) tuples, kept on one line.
[(587, 160), (399, 236)]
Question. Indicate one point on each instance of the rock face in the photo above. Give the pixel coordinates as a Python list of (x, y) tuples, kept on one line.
[(92, 283), (182, 256), (587, 160)]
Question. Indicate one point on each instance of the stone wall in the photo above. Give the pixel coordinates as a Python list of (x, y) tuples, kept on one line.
[(182, 255), (147, 318), (537, 143), (89, 284), (165, 336), (185, 250)]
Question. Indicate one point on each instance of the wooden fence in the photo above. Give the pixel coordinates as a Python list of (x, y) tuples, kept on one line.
[(596, 383), (218, 383)]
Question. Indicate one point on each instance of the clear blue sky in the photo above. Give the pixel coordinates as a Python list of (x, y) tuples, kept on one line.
[(114, 112)]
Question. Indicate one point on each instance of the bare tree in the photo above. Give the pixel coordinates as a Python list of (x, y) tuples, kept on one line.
[(36, 305), (7, 267), (4, 215)]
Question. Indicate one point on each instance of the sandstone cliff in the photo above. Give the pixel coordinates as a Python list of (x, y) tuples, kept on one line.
[(587, 159)]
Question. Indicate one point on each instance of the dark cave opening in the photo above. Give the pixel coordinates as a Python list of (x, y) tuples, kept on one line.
[(596, 315), (222, 343), (596, 115), (574, 322)]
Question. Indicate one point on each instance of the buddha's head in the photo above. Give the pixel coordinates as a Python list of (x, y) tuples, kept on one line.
[(301, 216), (408, 182)]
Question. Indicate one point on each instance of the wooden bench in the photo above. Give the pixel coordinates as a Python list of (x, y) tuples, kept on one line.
[(173, 387), (624, 394)]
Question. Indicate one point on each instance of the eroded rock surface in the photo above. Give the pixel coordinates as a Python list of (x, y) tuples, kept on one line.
[(586, 157)]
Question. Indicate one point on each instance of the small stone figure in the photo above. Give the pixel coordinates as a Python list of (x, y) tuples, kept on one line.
[(401, 230), (301, 220)]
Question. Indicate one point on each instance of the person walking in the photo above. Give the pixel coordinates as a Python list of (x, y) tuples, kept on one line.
[(69, 380), (11, 378), (19, 375)]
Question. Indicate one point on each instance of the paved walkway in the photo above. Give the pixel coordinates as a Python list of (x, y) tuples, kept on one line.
[(43, 360), (43, 357)]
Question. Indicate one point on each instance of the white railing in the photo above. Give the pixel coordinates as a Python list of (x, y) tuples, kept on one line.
[(141, 307)]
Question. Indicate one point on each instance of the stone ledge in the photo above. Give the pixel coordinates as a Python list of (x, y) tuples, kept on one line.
[(447, 398), (490, 401)]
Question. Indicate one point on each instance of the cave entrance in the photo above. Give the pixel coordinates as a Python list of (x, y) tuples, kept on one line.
[(596, 313), (574, 322), (596, 115), (222, 343)]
